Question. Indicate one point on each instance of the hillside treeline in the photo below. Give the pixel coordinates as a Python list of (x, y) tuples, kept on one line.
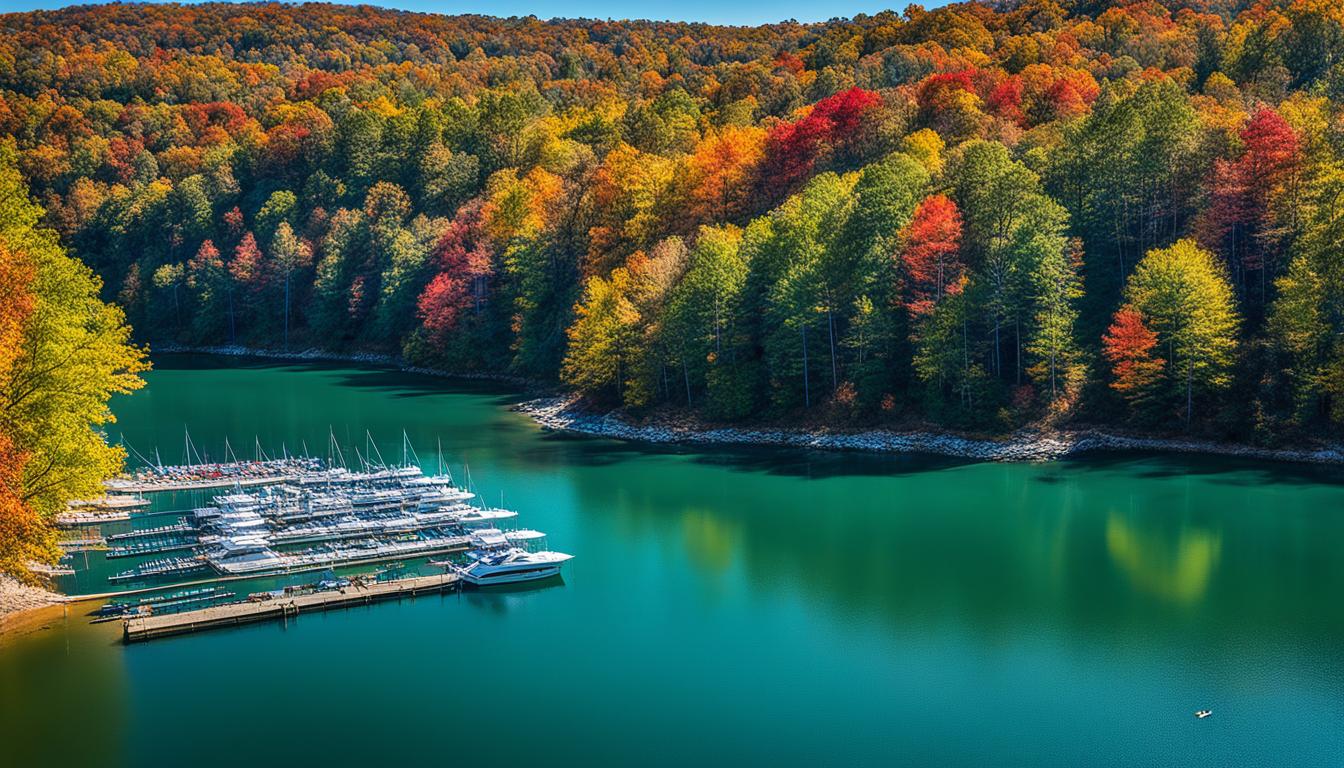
[(982, 215)]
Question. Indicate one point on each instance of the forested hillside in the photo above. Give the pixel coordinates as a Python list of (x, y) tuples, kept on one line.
[(983, 215)]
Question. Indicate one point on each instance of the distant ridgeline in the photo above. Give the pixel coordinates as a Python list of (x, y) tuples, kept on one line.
[(983, 215)]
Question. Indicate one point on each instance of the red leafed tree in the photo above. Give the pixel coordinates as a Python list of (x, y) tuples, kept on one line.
[(791, 152), (462, 260), (1006, 100), (835, 126), (1272, 147), (233, 224), (1128, 345), (1243, 191), (933, 267), (843, 114), (207, 257), (245, 266)]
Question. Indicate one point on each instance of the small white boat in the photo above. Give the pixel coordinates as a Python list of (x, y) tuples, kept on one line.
[(469, 516), (1203, 713)]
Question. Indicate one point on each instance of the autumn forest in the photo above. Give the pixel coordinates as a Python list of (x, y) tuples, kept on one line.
[(981, 216)]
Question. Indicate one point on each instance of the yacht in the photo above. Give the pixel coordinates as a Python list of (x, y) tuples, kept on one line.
[(246, 554), (510, 565), (499, 557)]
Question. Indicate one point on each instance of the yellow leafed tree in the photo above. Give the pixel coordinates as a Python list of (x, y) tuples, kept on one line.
[(73, 353)]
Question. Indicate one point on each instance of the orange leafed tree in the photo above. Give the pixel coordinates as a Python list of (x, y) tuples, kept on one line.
[(22, 534), (1128, 345), (720, 171), (933, 268)]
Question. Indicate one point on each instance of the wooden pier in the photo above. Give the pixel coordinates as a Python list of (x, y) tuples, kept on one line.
[(151, 627)]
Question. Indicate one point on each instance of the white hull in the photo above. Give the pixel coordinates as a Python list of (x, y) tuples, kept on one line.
[(510, 577), (510, 565)]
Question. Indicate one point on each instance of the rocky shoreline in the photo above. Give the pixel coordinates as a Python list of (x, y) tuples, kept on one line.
[(17, 598), (567, 414)]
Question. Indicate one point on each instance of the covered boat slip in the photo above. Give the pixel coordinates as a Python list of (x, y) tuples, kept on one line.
[(165, 625)]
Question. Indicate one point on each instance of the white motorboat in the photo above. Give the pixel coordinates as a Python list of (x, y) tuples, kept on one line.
[(499, 557), (511, 565), (469, 516)]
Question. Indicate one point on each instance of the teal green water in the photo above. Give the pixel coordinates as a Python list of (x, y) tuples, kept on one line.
[(737, 607)]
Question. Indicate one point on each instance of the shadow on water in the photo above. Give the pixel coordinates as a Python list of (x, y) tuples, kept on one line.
[(821, 464), (1229, 470), (773, 460), (401, 384), (500, 598), (383, 378)]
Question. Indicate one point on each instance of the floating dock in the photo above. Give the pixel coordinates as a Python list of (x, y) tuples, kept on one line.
[(150, 627), (108, 503), (88, 543), (76, 519), (203, 484)]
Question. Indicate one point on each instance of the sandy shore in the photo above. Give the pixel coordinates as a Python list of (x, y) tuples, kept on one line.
[(567, 415), (24, 608)]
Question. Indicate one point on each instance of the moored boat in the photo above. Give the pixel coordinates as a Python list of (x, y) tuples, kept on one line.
[(512, 565)]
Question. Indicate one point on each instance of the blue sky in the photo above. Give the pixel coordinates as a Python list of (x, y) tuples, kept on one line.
[(737, 12)]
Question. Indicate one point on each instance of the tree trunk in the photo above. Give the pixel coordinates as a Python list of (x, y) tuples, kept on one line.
[(830, 329), (1189, 386), (807, 392), (966, 364), (718, 348), (686, 376), (1017, 336), (286, 309), (998, 354)]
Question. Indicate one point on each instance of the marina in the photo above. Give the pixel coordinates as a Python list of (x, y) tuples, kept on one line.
[(278, 518)]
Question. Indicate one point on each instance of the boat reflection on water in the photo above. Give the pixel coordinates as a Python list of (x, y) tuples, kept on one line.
[(502, 599)]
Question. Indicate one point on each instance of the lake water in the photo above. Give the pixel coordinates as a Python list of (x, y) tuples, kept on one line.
[(733, 607)]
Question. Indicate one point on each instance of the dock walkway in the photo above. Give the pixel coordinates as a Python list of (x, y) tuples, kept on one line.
[(164, 486), (151, 627)]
